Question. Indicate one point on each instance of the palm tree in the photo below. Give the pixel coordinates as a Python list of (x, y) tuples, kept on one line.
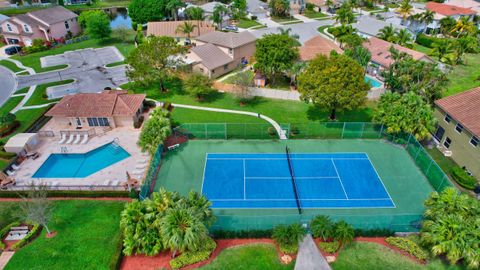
[(446, 25), (344, 14), (322, 226), (405, 9), (195, 13), (294, 71), (359, 54), (343, 233), (219, 11), (186, 28), (463, 26), (443, 50), (287, 31), (201, 205), (182, 230), (388, 33), (173, 6), (404, 38)]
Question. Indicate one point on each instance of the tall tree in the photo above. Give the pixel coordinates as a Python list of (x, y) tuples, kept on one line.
[(360, 55), (219, 11), (427, 18), (335, 82), (198, 85), (186, 28), (388, 33), (153, 61), (155, 130), (275, 53), (444, 50), (143, 11), (405, 9), (279, 8), (404, 38), (464, 26), (243, 81), (36, 208), (446, 25), (344, 14), (405, 113), (195, 13), (96, 23), (173, 6), (239, 8)]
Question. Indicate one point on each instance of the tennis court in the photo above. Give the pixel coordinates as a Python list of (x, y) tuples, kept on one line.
[(282, 180)]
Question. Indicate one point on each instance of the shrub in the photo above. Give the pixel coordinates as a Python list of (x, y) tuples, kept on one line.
[(322, 226), (288, 237), (329, 247), (407, 245), (191, 257), (428, 41), (38, 45), (221, 234), (32, 234), (310, 6), (463, 179), (149, 103), (254, 18), (4, 232)]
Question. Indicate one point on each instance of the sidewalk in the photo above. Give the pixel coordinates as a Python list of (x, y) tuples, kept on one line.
[(4, 258), (309, 257)]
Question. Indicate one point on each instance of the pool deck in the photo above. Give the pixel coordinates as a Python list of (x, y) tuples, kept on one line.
[(110, 176)]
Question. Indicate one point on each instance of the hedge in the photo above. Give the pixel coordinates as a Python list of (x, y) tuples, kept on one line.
[(191, 257), (4, 232), (427, 41), (374, 232), (329, 247), (69, 193), (32, 234), (463, 179), (117, 257), (407, 245), (222, 234)]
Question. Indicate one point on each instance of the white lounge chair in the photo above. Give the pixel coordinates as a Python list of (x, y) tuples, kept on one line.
[(15, 167), (70, 139), (141, 166), (10, 173), (63, 138), (77, 139), (142, 161), (85, 139)]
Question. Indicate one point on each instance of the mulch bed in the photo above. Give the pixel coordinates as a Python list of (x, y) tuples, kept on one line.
[(141, 262), (72, 198)]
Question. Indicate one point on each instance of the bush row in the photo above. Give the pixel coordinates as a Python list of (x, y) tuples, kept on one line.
[(463, 179), (69, 193), (427, 41), (191, 257), (32, 234), (407, 245), (329, 247), (374, 232), (4, 232), (117, 257), (222, 234)]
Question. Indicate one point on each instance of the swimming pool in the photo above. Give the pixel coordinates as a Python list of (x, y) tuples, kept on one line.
[(81, 165), (372, 82)]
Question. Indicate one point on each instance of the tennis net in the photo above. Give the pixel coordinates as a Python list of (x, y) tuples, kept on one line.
[(294, 182)]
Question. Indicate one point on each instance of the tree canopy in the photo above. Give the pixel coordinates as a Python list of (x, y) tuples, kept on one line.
[(143, 11), (345, 14), (279, 8), (405, 113), (360, 55), (195, 13), (154, 60), (198, 85), (275, 53), (335, 82), (155, 130), (96, 23)]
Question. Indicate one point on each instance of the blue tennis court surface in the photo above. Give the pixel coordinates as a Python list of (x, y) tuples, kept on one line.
[(323, 180)]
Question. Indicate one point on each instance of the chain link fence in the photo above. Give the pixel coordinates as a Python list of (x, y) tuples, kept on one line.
[(150, 179)]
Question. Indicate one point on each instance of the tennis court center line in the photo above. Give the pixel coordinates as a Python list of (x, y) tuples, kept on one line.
[(378, 176), (339, 178), (252, 158), (204, 169), (244, 182), (241, 200)]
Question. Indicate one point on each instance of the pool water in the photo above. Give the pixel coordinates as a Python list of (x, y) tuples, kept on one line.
[(81, 165), (372, 82)]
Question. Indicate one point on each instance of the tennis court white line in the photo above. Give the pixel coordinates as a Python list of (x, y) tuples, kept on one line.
[(289, 177), (204, 169), (339, 178), (286, 158), (244, 182), (308, 207), (274, 200), (378, 176)]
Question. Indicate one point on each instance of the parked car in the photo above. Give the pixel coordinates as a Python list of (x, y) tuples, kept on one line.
[(13, 50), (230, 28)]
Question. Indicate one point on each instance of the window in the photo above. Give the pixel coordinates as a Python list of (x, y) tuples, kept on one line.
[(459, 128), (447, 118), (98, 122), (230, 51), (26, 28), (447, 142), (67, 26), (474, 141), (225, 67), (9, 28)]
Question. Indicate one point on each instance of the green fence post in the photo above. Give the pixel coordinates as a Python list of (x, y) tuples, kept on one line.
[(343, 129), (381, 131), (363, 130), (225, 130)]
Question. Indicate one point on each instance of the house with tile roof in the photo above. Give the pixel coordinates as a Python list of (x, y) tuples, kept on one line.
[(110, 108), (458, 128), (46, 24), (317, 45), (381, 56), (217, 53), (169, 29)]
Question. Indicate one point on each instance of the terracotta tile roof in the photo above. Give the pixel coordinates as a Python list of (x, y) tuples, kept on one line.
[(448, 10), (228, 39), (212, 56), (104, 104), (52, 15), (317, 45), (380, 50), (464, 108), (169, 29)]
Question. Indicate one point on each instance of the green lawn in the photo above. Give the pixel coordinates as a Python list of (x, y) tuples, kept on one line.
[(96, 4), (314, 14), (10, 104), (283, 111), (10, 66), (7, 212), (419, 48), (248, 257), (22, 91), (39, 96), (87, 236), (33, 60), (247, 23), (466, 76), (283, 20), (371, 256)]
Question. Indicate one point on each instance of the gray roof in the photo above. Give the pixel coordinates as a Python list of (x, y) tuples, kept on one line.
[(371, 26), (227, 39), (208, 7), (3, 18), (29, 20), (212, 57), (256, 6), (53, 15)]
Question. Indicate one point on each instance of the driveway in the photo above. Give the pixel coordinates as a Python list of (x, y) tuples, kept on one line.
[(86, 67), (305, 31), (7, 84)]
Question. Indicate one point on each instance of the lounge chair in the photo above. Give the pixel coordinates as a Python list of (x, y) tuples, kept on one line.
[(85, 139), (77, 139), (35, 156), (63, 138), (141, 166), (15, 167), (70, 139), (10, 173), (142, 161)]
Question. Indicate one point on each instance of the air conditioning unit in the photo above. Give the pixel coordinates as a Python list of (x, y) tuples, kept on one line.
[(447, 153)]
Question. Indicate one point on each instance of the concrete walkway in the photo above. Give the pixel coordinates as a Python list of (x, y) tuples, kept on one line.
[(5, 257), (309, 257), (277, 127), (274, 93)]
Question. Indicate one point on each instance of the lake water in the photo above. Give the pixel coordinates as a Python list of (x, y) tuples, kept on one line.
[(119, 18)]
